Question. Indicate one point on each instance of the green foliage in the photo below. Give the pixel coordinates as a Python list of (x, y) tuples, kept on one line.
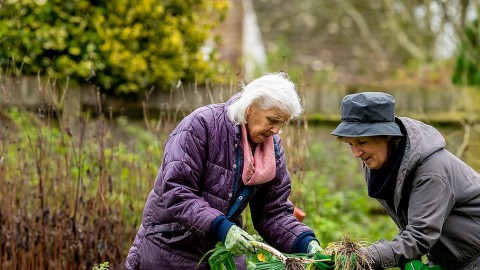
[(262, 258), (220, 258), (123, 46), (102, 266), (266, 257), (332, 213), (270, 265), (467, 70)]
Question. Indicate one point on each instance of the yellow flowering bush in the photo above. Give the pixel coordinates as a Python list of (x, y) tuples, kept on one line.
[(122, 46)]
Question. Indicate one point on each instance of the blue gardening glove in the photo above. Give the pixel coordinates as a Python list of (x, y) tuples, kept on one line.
[(327, 262), (237, 241), (419, 265)]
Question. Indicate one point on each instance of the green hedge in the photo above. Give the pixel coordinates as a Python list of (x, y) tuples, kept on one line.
[(128, 45)]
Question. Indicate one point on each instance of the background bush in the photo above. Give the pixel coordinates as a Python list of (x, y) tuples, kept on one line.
[(467, 70), (126, 46)]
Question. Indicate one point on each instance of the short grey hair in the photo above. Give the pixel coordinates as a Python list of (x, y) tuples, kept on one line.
[(274, 90)]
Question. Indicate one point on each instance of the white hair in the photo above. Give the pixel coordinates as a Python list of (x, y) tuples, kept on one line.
[(273, 90)]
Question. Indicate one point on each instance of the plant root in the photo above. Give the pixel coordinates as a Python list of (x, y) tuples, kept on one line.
[(349, 254), (294, 264)]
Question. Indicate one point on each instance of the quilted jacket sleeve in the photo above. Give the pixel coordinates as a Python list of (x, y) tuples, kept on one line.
[(183, 169)]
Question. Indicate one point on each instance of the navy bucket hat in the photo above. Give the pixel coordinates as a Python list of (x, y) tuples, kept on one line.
[(368, 114)]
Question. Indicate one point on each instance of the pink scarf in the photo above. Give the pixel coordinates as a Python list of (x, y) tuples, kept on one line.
[(260, 167)]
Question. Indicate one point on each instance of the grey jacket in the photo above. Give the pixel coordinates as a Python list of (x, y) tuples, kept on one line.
[(195, 184), (436, 205)]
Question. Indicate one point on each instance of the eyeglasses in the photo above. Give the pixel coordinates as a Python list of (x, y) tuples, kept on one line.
[(276, 123)]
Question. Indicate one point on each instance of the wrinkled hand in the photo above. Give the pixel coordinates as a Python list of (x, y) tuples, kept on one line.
[(419, 265), (237, 241), (327, 262)]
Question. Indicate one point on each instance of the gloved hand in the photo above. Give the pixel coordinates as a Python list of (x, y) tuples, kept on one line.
[(237, 241), (419, 265), (314, 247), (327, 262)]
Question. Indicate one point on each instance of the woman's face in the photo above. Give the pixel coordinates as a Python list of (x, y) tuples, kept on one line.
[(373, 151), (261, 124)]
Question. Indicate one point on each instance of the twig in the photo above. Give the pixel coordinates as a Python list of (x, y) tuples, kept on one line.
[(466, 139)]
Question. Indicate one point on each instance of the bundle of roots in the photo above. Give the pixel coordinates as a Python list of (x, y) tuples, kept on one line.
[(349, 254), (294, 264)]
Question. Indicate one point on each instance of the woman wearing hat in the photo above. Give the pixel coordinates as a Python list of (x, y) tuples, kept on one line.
[(432, 196)]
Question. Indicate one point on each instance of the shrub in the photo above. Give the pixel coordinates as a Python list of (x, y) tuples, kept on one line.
[(74, 195), (125, 46)]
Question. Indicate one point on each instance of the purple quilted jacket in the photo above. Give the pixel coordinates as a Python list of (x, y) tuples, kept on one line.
[(195, 184)]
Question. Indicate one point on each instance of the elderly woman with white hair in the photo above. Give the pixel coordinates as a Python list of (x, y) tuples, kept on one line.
[(219, 159)]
